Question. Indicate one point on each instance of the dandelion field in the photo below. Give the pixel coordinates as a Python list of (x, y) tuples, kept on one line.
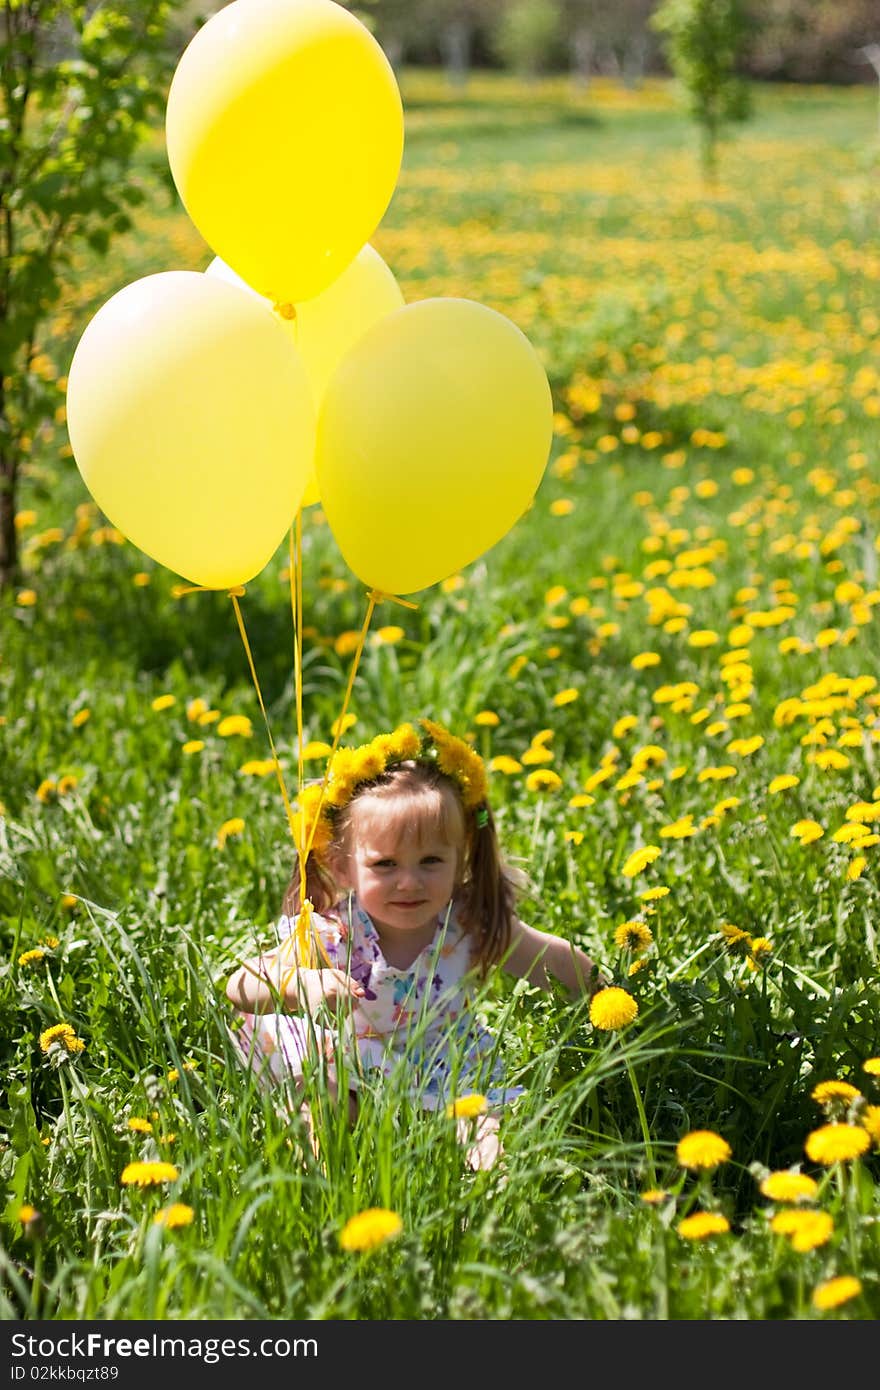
[(671, 662)]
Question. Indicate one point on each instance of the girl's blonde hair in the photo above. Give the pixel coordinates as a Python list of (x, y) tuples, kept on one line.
[(416, 798)]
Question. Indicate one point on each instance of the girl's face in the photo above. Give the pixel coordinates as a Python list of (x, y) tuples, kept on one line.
[(403, 881)]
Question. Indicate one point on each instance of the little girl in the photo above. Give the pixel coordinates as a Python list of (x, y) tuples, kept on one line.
[(409, 904)]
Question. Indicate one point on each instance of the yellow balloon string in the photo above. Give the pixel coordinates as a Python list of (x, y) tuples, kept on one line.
[(305, 937), (374, 596), (235, 594)]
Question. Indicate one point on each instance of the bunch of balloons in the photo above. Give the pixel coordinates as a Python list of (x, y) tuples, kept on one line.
[(205, 409)]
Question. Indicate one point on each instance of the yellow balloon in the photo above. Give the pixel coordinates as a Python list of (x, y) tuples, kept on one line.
[(433, 436), (326, 327), (191, 421), (284, 129)]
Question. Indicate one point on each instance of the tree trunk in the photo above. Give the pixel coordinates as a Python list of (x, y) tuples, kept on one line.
[(634, 61), (582, 48), (457, 48), (394, 51)]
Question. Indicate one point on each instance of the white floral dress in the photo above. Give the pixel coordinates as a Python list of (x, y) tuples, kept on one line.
[(421, 1018)]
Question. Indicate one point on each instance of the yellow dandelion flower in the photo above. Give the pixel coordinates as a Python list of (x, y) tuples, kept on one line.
[(257, 767), (178, 1214), (192, 745), (745, 747), (314, 749), (872, 1066), (737, 941), (81, 717), (680, 829), (831, 1092), (508, 766), (566, 697), (573, 837), (783, 783), (60, 1034), (653, 1196), (537, 753), (543, 779), (229, 828), (640, 859), (806, 1230), (140, 1125), (50, 942), (642, 660), (47, 791), (342, 724), (786, 1186), (26, 598), (702, 1148), (487, 718), (347, 642), (466, 1107), (704, 637), (623, 726), (836, 1143), (562, 506), (368, 762), (235, 724), (832, 1293), (716, 774), (148, 1174), (760, 949), (806, 831), (612, 1008), (703, 1224), (311, 828), (633, 936), (162, 702), (369, 1229), (581, 799), (32, 956), (650, 895), (403, 742), (856, 868)]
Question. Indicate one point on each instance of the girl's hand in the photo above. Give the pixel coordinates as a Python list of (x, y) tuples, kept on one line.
[(316, 987)]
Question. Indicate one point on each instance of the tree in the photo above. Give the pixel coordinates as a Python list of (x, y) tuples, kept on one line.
[(704, 41), (605, 34), (527, 35), (78, 84)]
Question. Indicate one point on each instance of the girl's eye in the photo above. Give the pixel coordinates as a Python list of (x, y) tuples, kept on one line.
[(383, 864), (432, 859)]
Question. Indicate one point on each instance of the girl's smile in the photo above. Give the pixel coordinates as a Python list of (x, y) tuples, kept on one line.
[(404, 883)]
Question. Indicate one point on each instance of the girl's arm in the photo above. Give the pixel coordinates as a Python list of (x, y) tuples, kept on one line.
[(269, 983), (537, 956)]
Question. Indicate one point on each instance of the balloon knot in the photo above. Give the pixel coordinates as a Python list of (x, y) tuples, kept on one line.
[(285, 310), (380, 596), (237, 591)]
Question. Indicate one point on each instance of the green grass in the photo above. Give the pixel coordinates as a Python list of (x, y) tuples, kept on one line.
[(714, 359)]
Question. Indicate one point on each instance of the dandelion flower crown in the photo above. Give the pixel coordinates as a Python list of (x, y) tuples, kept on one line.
[(350, 768)]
